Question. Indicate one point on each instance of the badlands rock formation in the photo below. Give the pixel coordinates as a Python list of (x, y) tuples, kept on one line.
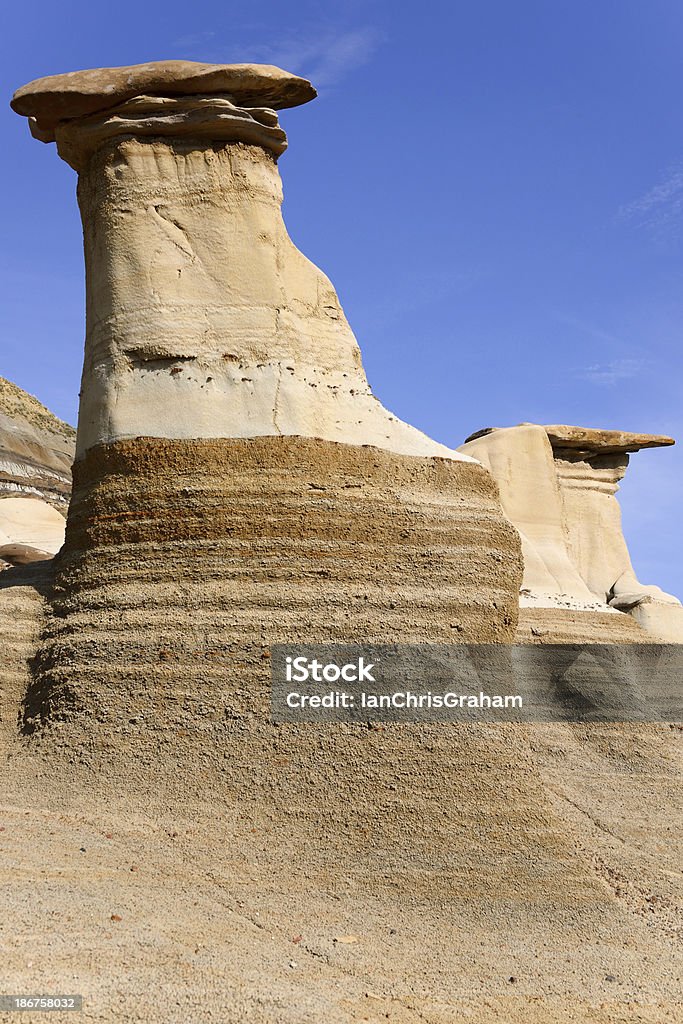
[(36, 449), (203, 318), (558, 486), (236, 480), (180, 856), (36, 452)]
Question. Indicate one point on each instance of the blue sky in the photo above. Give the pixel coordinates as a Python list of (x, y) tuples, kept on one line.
[(495, 189)]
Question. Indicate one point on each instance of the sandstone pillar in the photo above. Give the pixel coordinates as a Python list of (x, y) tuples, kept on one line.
[(203, 318), (590, 465), (558, 486), (236, 481)]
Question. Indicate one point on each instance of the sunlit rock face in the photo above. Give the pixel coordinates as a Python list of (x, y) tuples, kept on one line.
[(36, 453), (558, 486), (203, 318), (237, 485), (236, 481), (36, 449)]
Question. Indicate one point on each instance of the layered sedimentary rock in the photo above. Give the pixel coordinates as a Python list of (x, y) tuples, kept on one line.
[(558, 486), (50, 101), (23, 589), (36, 452), (36, 449), (440, 872), (236, 480), (174, 584)]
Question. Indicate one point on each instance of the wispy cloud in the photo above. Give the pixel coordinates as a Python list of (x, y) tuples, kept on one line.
[(325, 58), (584, 327), (610, 371), (609, 374), (325, 54), (660, 210)]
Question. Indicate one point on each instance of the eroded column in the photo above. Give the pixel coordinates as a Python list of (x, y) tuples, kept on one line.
[(203, 318), (236, 483)]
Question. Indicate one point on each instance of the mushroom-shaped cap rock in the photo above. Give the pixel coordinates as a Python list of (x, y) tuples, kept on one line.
[(603, 442), (78, 93), (591, 439)]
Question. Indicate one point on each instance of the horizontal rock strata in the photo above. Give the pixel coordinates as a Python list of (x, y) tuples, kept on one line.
[(185, 560), (557, 625), (23, 609), (238, 485), (36, 449)]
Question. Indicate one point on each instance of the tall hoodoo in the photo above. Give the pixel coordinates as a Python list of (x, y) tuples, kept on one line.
[(237, 485), (203, 319), (236, 481)]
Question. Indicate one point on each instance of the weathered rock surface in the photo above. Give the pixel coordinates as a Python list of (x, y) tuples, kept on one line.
[(22, 617), (36, 449), (203, 319), (188, 559), (558, 486), (36, 452), (23, 554), (214, 117), (79, 93), (522, 464), (169, 99), (237, 484), (214, 348), (32, 524), (592, 442)]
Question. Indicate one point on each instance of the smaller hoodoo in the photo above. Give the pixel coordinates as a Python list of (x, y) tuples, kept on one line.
[(558, 486)]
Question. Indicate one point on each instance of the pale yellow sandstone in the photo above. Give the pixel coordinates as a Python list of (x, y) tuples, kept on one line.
[(203, 318), (31, 522), (558, 486)]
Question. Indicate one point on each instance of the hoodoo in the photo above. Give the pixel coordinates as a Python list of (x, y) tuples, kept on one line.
[(558, 485), (203, 318), (236, 481), (237, 484)]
